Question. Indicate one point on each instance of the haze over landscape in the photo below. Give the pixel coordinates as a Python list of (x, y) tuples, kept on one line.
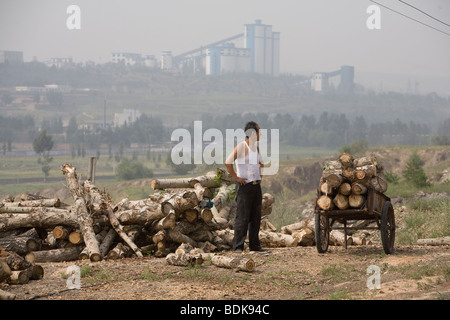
[(315, 35)]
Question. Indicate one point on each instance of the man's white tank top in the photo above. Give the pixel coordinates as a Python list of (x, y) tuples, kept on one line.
[(248, 167)]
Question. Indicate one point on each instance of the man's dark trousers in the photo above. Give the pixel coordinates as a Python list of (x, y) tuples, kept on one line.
[(248, 216)]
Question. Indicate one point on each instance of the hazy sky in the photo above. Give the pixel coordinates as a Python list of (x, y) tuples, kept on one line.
[(316, 35)]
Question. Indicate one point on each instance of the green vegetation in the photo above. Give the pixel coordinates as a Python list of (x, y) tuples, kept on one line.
[(414, 172), (132, 169)]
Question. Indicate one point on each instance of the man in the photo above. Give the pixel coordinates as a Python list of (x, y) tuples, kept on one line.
[(248, 188)]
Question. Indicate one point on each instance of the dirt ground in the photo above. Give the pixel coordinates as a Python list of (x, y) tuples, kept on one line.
[(298, 273)]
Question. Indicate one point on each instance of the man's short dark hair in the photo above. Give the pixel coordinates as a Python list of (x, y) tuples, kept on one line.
[(251, 125)]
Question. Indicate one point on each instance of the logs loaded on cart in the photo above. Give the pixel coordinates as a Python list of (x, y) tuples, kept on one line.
[(352, 190)]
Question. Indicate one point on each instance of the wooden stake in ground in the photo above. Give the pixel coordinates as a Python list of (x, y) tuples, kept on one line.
[(84, 219)]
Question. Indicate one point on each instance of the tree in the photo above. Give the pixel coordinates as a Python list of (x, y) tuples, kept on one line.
[(414, 172), (42, 145)]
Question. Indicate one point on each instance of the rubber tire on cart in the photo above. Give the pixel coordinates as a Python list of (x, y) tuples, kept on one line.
[(322, 233), (388, 227)]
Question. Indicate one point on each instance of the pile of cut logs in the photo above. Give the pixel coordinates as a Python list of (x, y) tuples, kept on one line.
[(180, 212), (345, 181)]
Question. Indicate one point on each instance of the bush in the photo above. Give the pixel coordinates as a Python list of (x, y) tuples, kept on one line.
[(356, 147), (414, 172), (132, 169)]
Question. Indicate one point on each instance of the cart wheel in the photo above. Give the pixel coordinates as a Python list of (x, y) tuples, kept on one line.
[(388, 228), (322, 233)]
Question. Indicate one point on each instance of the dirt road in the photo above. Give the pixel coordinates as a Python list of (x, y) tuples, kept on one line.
[(299, 273)]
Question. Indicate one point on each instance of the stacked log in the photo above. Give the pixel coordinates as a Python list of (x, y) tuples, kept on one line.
[(345, 182)]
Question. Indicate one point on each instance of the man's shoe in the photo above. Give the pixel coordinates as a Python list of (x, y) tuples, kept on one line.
[(259, 249)]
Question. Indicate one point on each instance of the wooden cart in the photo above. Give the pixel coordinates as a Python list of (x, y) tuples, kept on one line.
[(378, 208)]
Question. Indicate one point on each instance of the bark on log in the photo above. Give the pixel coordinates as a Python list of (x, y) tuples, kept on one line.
[(442, 241), (239, 263), (346, 160), (183, 260), (305, 237), (291, 228), (54, 255), (325, 188), (84, 219), (55, 202), (334, 179), (21, 244), (275, 239), (161, 184), (38, 218), (5, 270), (180, 202), (358, 188), (337, 238), (140, 216), (19, 277), (107, 241), (97, 197), (16, 262)]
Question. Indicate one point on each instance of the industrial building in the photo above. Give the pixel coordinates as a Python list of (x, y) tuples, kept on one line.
[(131, 59), (320, 80), (11, 57), (256, 50)]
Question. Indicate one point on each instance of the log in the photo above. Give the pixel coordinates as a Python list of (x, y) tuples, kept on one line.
[(191, 215), (36, 272), (180, 202), (19, 277), (183, 260), (161, 184), (341, 201), (238, 263), (379, 182), (140, 216), (4, 295), (34, 203), (16, 262), (5, 271), (21, 244), (365, 161), (345, 188), (291, 228), (337, 238), (202, 192), (206, 214), (325, 203), (184, 248), (275, 239), (325, 188), (85, 221), (107, 241), (39, 218), (61, 232), (346, 160), (359, 241), (75, 237), (223, 196), (365, 173), (334, 179), (358, 188), (356, 200), (305, 236), (54, 255), (97, 197), (168, 222), (442, 241)]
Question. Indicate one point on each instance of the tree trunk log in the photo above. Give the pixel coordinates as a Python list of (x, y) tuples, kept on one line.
[(358, 188), (61, 232), (346, 160), (325, 203), (180, 202), (75, 237), (38, 218), (5, 271), (337, 238), (275, 239), (84, 219), (34, 203), (435, 241), (345, 189), (54, 255), (239, 263), (341, 201), (356, 200), (19, 277)]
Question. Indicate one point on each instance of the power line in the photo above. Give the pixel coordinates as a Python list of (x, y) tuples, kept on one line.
[(424, 12), (404, 15)]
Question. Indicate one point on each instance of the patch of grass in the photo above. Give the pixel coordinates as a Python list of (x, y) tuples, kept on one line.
[(340, 295), (338, 273), (426, 218), (419, 270)]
